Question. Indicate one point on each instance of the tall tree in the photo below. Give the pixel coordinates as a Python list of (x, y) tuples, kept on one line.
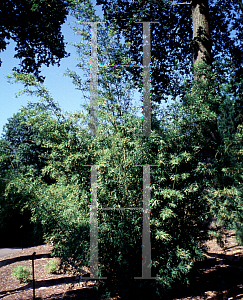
[(21, 154), (201, 32), (201, 28)]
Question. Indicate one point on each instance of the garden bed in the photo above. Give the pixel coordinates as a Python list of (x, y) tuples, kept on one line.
[(218, 277)]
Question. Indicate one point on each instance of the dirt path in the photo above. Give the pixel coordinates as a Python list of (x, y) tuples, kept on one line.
[(8, 251)]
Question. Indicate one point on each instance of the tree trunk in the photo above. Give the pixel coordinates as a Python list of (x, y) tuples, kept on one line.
[(201, 51), (201, 44)]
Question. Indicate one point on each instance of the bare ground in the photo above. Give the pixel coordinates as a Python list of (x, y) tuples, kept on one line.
[(219, 276)]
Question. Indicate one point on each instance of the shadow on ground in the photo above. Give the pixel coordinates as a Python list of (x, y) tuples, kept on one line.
[(22, 258), (222, 276), (45, 283), (217, 277), (212, 279)]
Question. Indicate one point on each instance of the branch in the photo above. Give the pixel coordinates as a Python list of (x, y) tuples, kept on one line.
[(241, 5), (182, 3)]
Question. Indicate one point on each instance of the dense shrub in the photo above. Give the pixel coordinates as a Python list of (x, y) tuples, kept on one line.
[(22, 273), (52, 266)]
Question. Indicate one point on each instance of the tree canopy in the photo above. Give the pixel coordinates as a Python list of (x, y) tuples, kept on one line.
[(173, 42), (35, 26)]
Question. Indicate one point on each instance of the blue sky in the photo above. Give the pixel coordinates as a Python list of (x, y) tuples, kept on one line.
[(61, 87)]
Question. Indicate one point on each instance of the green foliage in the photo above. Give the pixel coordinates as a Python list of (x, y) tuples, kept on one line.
[(171, 39), (195, 148), (36, 28), (22, 273), (20, 153), (63, 207), (52, 266)]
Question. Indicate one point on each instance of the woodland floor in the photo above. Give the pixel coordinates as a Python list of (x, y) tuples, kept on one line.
[(220, 276)]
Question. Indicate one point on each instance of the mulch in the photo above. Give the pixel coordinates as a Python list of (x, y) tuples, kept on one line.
[(219, 276), (47, 286)]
